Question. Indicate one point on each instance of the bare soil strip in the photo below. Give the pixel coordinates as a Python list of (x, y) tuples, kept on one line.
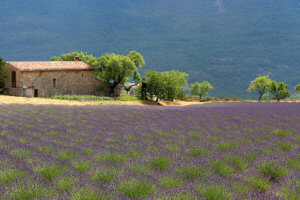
[(46, 101)]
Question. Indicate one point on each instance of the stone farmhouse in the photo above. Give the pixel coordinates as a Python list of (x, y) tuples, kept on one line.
[(44, 79)]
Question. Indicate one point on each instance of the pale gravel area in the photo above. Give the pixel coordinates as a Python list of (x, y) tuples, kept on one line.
[(46, 101)]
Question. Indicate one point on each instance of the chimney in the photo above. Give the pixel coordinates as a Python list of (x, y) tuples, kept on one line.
[(77, 58)]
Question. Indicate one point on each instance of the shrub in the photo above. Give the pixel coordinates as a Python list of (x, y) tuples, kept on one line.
[(285, 146), (198, 151), (160, 163), (20, 153), (82, 165), (111, 158), (227, 99), (191, 171), (281, 132), (259, 184), (84, 194), (227, 145), (105, 176), (180, 196), (64, 184), (237, 162), (66, 155), (214, 192), (171, 182), (30, 191), (46, 149), (50, 171), (273, 170), (195, 134), (2, 133), (134, 188), (7, 175), (222, 168)]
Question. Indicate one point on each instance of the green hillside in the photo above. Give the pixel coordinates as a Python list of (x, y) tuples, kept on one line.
[(227, 42)]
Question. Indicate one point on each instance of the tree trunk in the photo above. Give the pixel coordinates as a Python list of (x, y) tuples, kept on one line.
[(261, 92), (260, 97), (278, 99), (128, 89), (112, 91), (156, 99), (200, 97)]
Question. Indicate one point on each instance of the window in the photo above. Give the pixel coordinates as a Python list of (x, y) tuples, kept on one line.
[(13, 79), (54, 82)]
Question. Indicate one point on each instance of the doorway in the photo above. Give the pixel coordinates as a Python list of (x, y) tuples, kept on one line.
[(13, 79), (36, 93)]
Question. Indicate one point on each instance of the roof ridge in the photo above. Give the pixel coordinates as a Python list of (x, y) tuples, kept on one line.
[(49, 65)]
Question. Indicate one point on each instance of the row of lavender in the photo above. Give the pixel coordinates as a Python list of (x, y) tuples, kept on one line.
[(212, 151)]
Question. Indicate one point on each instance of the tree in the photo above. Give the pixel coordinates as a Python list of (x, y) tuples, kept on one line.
[(137, 80), (200, 88), (279, 90), (297, 88), (165, 85), (260, 84), (83, 56), (114, 69), (3, 73)]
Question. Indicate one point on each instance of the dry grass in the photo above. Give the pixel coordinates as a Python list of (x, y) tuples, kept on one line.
[(44, 101)]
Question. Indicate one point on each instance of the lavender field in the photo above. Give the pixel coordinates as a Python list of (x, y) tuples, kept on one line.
[(211, 151)]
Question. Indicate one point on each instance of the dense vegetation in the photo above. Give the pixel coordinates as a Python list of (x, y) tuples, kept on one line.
[(214, 151), (226, 42), (264, 85), (3, 73)]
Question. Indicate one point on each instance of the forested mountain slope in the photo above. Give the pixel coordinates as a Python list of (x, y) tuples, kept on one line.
[(227, 42)]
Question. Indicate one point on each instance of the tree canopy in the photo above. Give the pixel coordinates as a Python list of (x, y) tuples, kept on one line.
[(297, 88), (83, 56), (165, 85), (113, 69), (260, 84), (3, 73), (279, 90), (200, 88)]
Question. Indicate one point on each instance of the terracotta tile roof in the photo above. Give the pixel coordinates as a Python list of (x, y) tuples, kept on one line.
[(50, 65)]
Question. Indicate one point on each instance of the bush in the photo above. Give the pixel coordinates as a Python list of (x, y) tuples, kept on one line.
[(214, 192), (134, 188), (222, 168), (273, 170), (160, 163), (281, 132), (260, 184), (191, 171)]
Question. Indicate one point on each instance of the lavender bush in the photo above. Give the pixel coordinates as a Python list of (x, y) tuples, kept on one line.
[(212, 151)]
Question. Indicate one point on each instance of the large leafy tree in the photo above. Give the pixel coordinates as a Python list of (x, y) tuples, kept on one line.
[(113, 69), (200, 88), (83, 56), (3, 73), (260, 84), (139, 62), (165, 85), (279, 90), (297, 88)]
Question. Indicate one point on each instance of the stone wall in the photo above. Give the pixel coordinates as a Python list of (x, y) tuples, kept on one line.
[(77, 82), (8, 82), (81, 82)]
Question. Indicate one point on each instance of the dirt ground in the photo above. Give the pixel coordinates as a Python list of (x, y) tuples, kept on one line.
[(44, 101)]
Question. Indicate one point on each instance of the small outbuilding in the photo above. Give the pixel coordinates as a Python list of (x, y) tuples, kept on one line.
[(44, 79)]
